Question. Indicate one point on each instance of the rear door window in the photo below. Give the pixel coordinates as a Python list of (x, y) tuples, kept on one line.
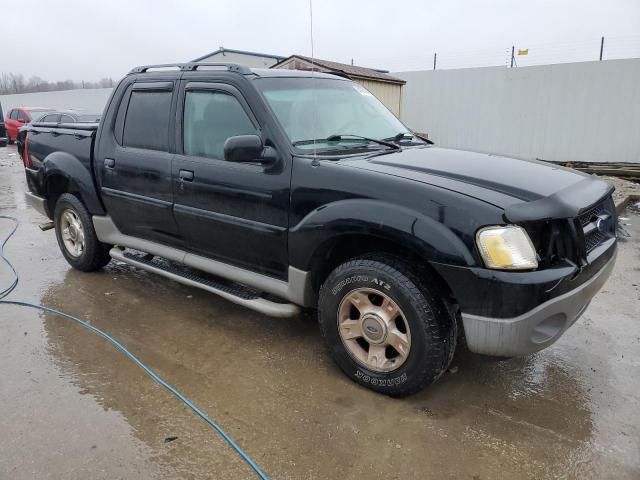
[(50, 118), (146, 124), (66, 119), (210, 117), (13, 115)]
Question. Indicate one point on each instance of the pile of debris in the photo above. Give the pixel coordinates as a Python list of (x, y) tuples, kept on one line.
[(610, 169), (626, 191)]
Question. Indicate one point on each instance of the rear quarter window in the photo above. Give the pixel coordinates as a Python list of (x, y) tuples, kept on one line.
[(50, 118), (146, 124)]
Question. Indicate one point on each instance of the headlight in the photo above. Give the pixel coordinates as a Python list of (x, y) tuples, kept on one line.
[(506, 248)]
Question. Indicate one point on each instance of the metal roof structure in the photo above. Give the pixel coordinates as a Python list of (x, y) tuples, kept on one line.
[(241, 52), (346, 69)]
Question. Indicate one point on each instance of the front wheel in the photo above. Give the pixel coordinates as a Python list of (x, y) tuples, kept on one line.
[(76, 237), (385, 325)]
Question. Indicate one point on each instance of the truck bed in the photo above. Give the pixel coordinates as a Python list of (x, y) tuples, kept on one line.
[(72, 142)]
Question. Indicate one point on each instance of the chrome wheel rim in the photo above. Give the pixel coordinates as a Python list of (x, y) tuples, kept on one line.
[(374, 330), (72, 233)]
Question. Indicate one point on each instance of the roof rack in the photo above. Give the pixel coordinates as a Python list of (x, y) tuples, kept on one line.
[(192, 66)]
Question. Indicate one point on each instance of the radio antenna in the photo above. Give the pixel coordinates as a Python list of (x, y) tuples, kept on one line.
[(313, 67)]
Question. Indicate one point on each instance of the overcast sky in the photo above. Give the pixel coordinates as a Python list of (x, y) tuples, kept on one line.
[(80, 39)]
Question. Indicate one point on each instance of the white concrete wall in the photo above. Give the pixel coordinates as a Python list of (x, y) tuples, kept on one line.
[(586, 111), (90, 100)]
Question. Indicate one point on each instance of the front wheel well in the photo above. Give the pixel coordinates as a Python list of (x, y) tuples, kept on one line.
[(344, 248)]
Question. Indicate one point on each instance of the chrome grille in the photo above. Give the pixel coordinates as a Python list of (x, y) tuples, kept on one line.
[(593, 240), (598, 223)]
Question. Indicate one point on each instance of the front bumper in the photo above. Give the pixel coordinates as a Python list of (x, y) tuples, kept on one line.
[(538, 328)]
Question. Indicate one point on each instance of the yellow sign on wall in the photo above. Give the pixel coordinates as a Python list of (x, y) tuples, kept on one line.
[(523, 52)]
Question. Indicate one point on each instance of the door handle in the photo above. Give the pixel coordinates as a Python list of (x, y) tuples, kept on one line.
[(109, 163), (186, 175)]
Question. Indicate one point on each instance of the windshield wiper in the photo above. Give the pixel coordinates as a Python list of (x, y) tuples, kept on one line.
[(408, 135), (400, 136), (338, 137)]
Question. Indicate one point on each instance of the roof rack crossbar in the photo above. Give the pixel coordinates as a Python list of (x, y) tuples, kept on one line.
[(192, 66), (145, 68), (232, 67)]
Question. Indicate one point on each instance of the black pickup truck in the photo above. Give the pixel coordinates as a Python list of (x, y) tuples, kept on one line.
[(280, 189)]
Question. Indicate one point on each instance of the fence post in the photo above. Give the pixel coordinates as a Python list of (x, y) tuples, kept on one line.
[(513, 51), (435, 56), (601, 47)]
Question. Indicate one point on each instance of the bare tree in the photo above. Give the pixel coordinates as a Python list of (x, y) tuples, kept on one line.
[(11, 83)]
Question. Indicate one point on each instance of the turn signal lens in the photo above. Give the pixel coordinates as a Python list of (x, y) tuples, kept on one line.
[(506, 248)]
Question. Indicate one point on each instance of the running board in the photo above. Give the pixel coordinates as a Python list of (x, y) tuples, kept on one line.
[(236, 293)]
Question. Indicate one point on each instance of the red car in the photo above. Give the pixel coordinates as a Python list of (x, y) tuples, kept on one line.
[(17, 117)]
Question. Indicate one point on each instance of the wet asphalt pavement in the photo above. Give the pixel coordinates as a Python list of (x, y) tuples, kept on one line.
[(73, 407)]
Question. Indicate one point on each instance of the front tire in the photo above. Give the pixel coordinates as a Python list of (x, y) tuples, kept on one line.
[(76, 236), (386, 326)]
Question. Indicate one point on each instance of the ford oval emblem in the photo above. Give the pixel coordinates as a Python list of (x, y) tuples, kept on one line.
[(372, 329)]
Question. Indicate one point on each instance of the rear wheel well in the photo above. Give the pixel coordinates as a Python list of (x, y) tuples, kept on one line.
[(56, 186)]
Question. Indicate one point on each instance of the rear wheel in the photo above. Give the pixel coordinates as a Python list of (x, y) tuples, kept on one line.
[(385, 325), (76, 236)]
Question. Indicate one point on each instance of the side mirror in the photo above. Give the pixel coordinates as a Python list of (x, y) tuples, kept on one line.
[(21, 120), (247, 148)]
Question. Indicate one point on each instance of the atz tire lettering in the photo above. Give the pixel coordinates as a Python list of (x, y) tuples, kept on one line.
[(383, 382), (348, 281), (358, 279)]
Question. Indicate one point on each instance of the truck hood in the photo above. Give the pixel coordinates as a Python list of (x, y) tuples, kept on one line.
[(524, 188)]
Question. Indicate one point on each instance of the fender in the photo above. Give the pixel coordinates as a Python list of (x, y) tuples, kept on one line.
[(375, 218), (79, 178)]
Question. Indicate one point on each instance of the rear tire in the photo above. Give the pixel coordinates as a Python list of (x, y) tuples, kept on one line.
[(76, 236), (397, 353)]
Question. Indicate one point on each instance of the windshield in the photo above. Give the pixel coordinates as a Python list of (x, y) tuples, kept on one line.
[(318, 108)]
